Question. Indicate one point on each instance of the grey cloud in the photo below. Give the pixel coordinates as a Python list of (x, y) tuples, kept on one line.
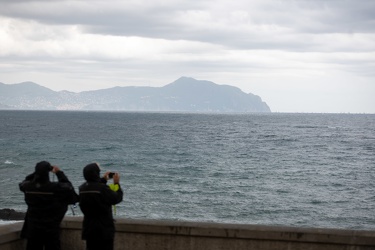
[(298, 18), (348, 17)]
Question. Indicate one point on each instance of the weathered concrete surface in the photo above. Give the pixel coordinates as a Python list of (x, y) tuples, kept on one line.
[(10, 237), (174, 235)]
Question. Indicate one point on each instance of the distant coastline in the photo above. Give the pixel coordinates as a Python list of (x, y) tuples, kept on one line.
[(183, 95)]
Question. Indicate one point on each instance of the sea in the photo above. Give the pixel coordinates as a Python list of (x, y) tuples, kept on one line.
[(299, 170)]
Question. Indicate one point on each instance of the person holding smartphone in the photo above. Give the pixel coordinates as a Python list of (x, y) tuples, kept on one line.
[(96, 199)]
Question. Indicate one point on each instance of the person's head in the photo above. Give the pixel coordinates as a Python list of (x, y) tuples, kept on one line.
[(92, 172), (42, 170)]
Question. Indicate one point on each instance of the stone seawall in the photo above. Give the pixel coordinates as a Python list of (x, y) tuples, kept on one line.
[(175, 235)]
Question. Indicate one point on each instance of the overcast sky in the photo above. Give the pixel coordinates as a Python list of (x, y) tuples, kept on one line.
[(297, 55)]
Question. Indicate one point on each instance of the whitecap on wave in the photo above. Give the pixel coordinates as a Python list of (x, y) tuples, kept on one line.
[(8, 162), (7, 222)]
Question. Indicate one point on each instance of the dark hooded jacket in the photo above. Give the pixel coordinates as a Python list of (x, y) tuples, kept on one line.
[(96, 200), (47, 202)]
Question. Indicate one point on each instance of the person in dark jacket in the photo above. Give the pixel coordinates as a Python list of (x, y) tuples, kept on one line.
[(96, 199), (47, 203)]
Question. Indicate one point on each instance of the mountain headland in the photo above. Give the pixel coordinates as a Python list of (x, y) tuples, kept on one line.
[(183, 95)]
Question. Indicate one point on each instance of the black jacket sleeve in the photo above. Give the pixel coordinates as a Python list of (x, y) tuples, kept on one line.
[(112, 197), (66, 189), (61, 177)]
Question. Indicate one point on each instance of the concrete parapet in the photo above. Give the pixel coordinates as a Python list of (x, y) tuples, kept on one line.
[(10, 237), (177, 235)]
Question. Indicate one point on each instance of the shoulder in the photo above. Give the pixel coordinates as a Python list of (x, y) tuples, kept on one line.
[(64, 185), (25, 185), (92, 186), (58, 186)]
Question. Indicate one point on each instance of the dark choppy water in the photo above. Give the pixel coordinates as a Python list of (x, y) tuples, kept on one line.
[(309, 170)]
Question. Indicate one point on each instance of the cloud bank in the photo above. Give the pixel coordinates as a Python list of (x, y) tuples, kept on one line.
[(291, 53)]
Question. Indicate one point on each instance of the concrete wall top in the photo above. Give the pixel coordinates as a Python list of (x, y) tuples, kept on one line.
[(10, 232), (237, 231)]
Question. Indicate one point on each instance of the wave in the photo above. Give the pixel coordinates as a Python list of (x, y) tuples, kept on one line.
[(296, 170), (7, 222)]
